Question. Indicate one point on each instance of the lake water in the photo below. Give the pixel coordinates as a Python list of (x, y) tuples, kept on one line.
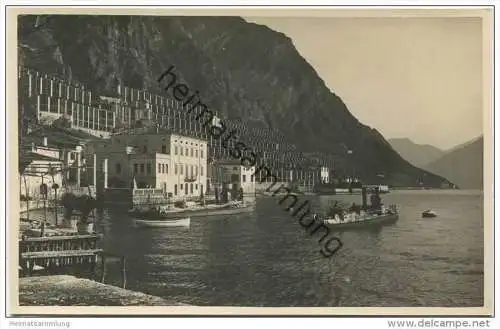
[(266, 258)]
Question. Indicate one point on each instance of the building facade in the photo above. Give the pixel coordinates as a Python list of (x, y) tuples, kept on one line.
[(232, 172), (174, 163)]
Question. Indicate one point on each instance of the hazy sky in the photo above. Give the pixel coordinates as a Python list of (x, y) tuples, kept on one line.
[(407, 77)]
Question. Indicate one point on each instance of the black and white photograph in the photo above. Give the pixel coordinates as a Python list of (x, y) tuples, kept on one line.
[(252, 159)]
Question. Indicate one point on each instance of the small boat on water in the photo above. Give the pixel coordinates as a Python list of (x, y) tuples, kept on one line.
[(429, 214), (181, 222)]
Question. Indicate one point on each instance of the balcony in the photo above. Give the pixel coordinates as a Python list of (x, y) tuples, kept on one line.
[(190, 179)]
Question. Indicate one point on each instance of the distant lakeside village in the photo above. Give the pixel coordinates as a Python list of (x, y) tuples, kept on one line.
[(136, 146)]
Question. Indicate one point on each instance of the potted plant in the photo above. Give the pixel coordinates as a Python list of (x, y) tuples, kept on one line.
[(85, 225), (202, 199)]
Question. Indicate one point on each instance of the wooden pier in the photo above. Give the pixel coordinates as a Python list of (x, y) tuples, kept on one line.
[(59, 253)]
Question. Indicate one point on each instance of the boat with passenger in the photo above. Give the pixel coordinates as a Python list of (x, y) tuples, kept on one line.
[(429, 214), (376, 214)]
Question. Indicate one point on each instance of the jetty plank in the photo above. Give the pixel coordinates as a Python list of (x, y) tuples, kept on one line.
[(67, 290), (60, 253)]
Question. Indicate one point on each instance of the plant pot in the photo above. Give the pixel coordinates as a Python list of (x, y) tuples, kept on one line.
[(85, 228), (70, 223)]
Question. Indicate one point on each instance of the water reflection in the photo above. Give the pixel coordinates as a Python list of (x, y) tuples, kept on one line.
[(266, 258)]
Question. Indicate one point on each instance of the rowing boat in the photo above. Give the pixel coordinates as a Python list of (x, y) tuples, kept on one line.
[(182, 222)]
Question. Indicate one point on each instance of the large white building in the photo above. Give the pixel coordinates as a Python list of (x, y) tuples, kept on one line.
[(173, 163)]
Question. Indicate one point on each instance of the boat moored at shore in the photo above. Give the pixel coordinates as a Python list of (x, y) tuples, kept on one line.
[(164, 212), (180, 222)]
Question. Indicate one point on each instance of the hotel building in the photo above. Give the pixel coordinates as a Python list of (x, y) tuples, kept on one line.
[(174, 163)]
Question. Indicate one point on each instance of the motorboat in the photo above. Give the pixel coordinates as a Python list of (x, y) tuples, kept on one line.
[(354, 220), (377, 214), (181, 222), (429, 214)]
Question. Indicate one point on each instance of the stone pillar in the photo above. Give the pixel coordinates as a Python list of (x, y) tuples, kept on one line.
[(30, 84), (94, 170), (78, 168), (98, 127), (77, 109), (105, 171), (38, 106)]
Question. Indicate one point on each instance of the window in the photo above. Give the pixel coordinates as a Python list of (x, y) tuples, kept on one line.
[(191, 151), (159, 168), (182, 170), (175, 150), (142, 167), (201, 153), (135, 168), (148, 168), (196, 153), (201, 170), (118, 168), (196, 170), (162, 168), (195, 186), (244, 178), (166, 168), (192, 170), (187, 169), (251, 178), (180, 186), (175, 169), (191, 188), (175, 189), (187, 152), (182, 151), (164, 149), (201, 187)]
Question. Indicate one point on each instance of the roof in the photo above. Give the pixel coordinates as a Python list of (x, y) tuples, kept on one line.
[(26, 158), (231, 162), (154, 131), (59, 137)]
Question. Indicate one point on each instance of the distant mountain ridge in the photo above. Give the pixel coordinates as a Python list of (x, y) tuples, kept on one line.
[(462, 165), (243, 70), (418, 155)]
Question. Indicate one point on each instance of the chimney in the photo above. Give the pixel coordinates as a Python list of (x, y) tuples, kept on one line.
[(45, 141)]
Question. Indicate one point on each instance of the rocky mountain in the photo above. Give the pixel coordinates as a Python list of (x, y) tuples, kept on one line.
[(244, 70), (417, 154), (462, 165)]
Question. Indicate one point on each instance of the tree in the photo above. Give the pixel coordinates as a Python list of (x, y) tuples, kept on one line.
[(62, 122)]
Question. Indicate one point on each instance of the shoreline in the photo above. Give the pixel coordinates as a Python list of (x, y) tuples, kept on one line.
[(68, 290)]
